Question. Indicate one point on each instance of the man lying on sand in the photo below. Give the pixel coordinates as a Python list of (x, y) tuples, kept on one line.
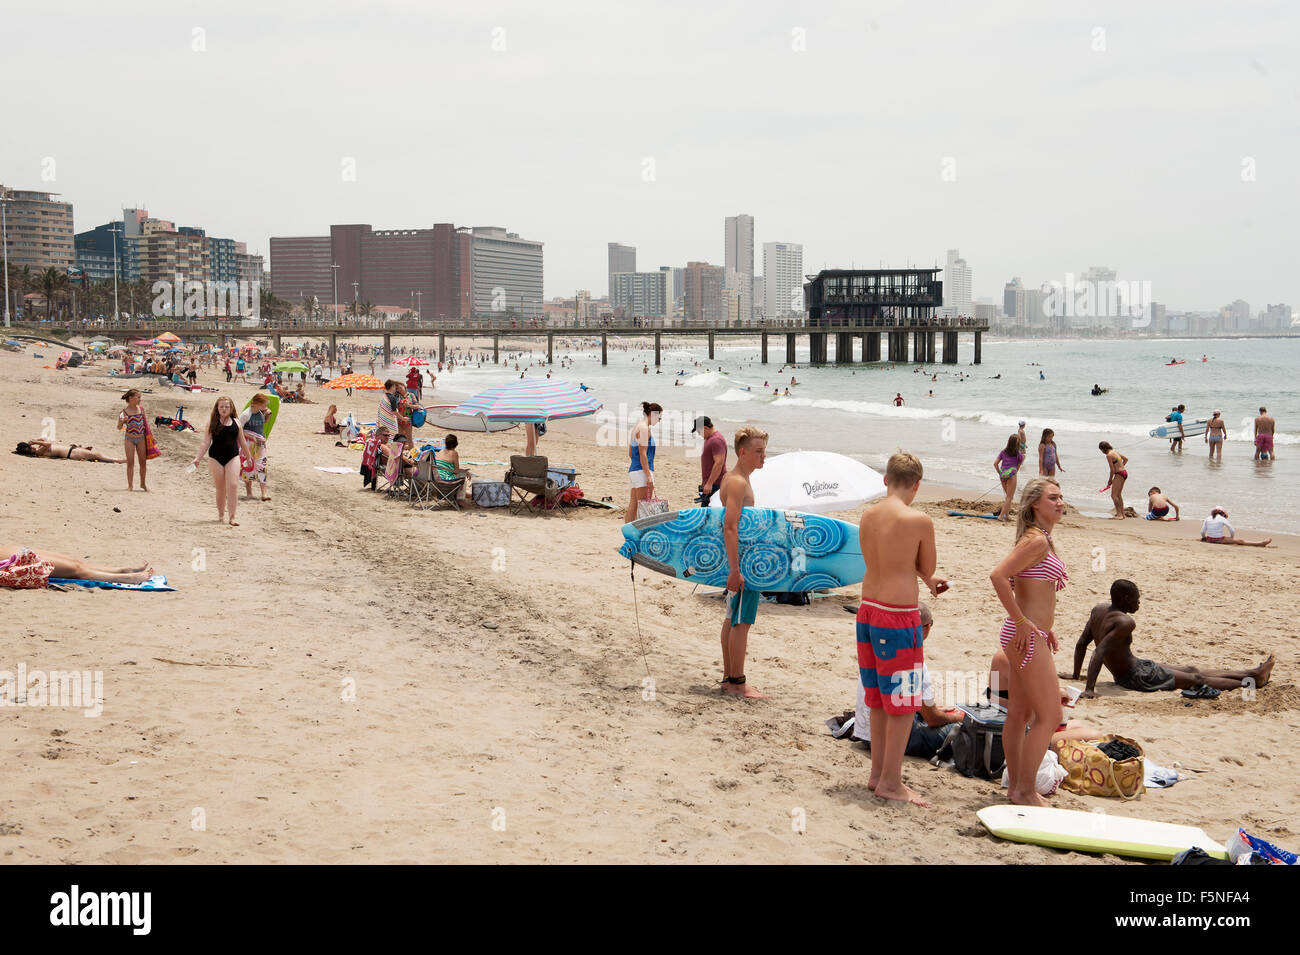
[(41, 448), (1111, 627)]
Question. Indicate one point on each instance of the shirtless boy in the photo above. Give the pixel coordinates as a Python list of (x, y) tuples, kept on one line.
[(1264, 428), (1111, 627), (897, 545), (742, 604), (1158, 505)]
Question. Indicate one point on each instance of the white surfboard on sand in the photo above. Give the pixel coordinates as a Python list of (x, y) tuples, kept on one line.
[(1095, 832)]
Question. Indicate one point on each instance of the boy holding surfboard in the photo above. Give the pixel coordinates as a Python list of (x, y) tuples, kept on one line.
[(742, 604), (897, 545)]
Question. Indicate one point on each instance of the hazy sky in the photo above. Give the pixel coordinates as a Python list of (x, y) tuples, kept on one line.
[(1038, 138)]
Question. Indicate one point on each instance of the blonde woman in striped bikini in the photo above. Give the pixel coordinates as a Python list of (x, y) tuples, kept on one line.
[(1027, 582)]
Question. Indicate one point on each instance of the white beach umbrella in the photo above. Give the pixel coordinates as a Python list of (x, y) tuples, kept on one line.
[(815, 482)]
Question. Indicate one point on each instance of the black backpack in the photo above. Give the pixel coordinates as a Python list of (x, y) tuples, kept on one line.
[(975, 749)]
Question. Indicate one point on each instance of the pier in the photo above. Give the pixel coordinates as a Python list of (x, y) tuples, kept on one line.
[(918, 342)]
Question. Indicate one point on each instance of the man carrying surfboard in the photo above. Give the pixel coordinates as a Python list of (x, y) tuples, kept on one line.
[(742, 605), (897, 544)]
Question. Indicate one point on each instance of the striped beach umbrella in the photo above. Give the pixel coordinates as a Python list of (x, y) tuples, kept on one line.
[(530, 400), (364, 382), (168, 337), (411, 360)]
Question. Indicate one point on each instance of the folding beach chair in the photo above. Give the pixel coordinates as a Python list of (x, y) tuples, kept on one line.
[(448, 486), (527, 475), (420, 485)]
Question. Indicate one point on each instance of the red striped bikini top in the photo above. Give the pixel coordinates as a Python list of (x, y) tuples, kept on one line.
[(1050, 567)]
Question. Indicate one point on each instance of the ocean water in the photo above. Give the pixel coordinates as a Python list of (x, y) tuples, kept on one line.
[(959, 430)]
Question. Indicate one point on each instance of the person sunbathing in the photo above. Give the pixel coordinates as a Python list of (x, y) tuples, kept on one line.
[(331, 423), (1111, 627), (76, 569), (300, 395), (42, 448)]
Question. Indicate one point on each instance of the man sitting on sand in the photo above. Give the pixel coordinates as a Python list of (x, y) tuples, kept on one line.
[(43, 448), (1215, 529), (1158, 506), (1111, 627), (742, 605), (897, 544)]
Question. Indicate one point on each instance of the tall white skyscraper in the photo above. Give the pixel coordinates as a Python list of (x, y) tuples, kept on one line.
[(739, 234), (956, 286), (782, 280)]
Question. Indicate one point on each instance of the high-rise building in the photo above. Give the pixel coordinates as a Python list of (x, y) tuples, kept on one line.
[(956, 286), (165, 253), (782, 280), (507, 274), (99, 249), (758, 296), (643, 294), (38, 230), (1108, 307), (1010, 299), (426, 271), (1277, 316), (1236, 317), (300, 267), (622, 258), (1159, 320), (704, 293), (739, 240)]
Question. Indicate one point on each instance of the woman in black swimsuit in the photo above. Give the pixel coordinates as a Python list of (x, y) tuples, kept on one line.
[(224, 443)]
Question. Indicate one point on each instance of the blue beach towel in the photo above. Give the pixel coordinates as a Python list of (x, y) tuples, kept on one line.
[(157, 582)]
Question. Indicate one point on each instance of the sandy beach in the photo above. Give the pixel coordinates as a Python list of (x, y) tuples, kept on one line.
[(345, 679)]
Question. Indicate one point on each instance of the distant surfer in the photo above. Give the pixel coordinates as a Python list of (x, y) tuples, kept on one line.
[(1099, 390), (1111, 627), (742, 605)]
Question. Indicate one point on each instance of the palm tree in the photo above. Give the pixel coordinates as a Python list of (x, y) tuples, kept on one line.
[(51, 282), (367, 309)]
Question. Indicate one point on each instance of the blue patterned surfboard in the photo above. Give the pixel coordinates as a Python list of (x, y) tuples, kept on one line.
[(779, 550)]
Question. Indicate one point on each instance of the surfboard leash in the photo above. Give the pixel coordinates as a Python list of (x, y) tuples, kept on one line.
[(641, 643)]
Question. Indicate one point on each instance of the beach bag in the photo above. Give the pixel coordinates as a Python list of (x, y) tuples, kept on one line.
[(975, 749), (418, 416), (1049, 777), (656, 505), (1093, 773), (25, 571)]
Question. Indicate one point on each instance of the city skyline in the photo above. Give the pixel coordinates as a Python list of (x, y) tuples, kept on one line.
[(1152, 144)]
